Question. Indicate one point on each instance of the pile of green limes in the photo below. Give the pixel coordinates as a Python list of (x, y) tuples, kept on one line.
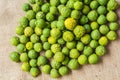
[(56, 36)]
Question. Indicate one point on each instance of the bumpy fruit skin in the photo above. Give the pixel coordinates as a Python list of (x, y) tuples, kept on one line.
[(87, 28), (32, 54), (25, 66), (36, 7), (49, 54), (87, 1), (66, 60), (46, 69), (55, 48), (48, 25), (28, 31), (93, 59), (78, 5), (94, 25), (86, 39), (68, 36), (40, 15), (86, 9), (60, 24), (75, 14), (38, 31), (82, 59), (65, 11), (32, 23), (19, 30), (33, 62), (34, 38), (95, 34), (113, 26), (101, 10), (73, 64), (43, 38), (50, 17), (34, 71), (71, 44), (21, 48), (29, 45), (24, 39), (24, 21), (30, 14), (52, 40), (32, 1), (111, 16), (46, 46), (100, 50), (14, 56), (87, 51), (55, 64), (92, 15), (80, 46), (26, 7), (71, 33), (45, 7), (55, 32), (59, 56), (93, 44), (103, 41), (60, 7), (54, 73), (74, 53), (63, 70), (103, 2), (40, 23), (38, 47), (83, 19), (63, 1), (112, 5), (104, 29), (42, 60), (53, 10), (24, 57), (14, 41), (54, 2), (61, 41), (70, 4), (111, 35), (94, 4), (70, 23), (101, 19), (46, 32), (40, 2), (65, 50), (54, 24), (79, 31)]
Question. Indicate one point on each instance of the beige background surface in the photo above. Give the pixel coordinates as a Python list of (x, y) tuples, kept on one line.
[(10, 12)]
